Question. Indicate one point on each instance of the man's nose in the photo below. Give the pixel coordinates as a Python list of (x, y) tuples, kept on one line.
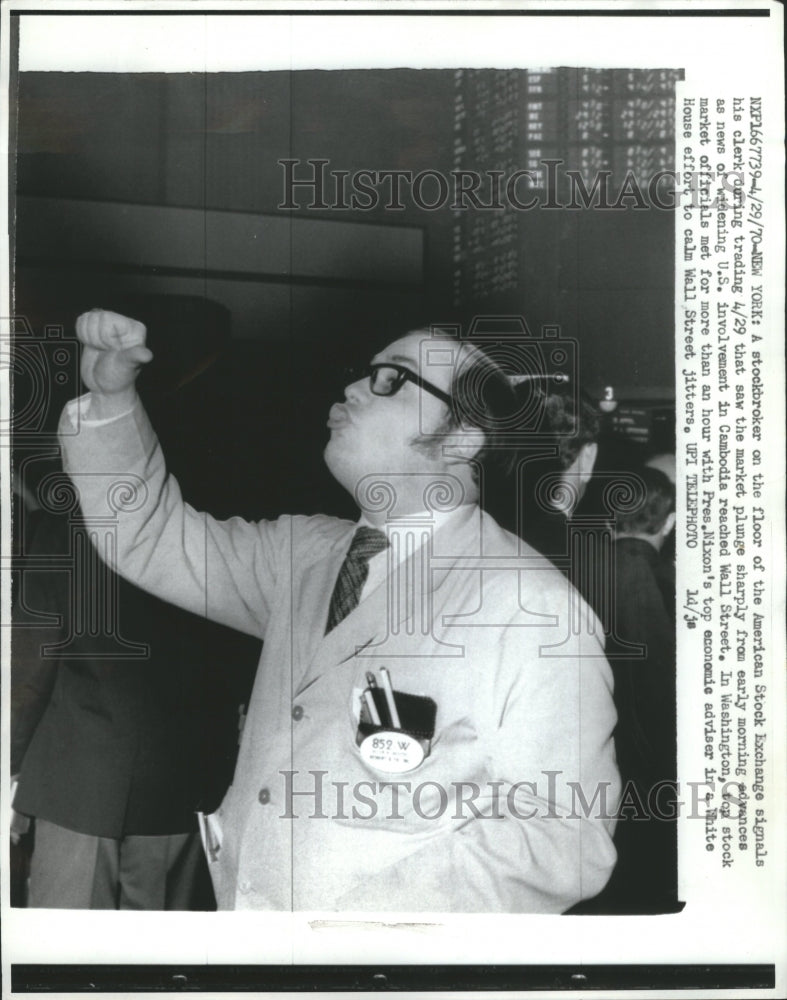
[(356, 390)]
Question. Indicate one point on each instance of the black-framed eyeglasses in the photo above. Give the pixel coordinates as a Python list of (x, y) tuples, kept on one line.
[(387, 378)]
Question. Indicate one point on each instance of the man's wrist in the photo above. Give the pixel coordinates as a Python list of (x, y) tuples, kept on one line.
[(107, 406)]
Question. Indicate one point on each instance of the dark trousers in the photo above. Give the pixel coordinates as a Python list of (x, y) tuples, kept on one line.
[(76, 871)]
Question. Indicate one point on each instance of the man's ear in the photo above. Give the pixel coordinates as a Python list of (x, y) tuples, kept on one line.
[(465, 444), (668, 525), (588, 454), (581, 469)]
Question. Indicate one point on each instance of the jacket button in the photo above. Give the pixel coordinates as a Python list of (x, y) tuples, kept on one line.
[(297, 713), (264, 796)]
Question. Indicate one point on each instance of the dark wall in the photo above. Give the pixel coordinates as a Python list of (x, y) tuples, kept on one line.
[(214, 141)]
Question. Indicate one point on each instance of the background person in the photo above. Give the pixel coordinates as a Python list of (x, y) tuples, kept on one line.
[(572, 420), (121, 728), (645, 877)]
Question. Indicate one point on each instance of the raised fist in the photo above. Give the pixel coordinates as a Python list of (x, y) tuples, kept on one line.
[(113, 351)]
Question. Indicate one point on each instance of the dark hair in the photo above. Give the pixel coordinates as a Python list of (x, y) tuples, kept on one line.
[(515, 416), (573, 419), (657, 503), (485, 398)]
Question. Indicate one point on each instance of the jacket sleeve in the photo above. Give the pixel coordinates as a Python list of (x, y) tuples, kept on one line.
[(143, 529), (33, 673), (551, 755), (32, 682)]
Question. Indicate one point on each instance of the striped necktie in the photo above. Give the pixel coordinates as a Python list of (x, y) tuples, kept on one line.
[(366, 543)]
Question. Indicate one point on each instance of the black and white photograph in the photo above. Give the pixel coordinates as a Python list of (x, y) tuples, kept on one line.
[(391, 526)]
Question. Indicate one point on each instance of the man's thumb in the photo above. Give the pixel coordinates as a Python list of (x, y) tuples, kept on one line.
[(138, 355)]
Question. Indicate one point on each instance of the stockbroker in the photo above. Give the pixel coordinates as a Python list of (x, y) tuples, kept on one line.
[(426, 730)]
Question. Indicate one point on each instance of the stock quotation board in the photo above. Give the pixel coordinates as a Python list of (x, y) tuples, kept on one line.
[(544, 137)]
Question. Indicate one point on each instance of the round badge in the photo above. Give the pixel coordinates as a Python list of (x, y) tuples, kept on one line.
[(392, 752)]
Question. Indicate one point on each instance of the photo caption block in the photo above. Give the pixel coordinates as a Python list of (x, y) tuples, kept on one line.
[(725, 374)]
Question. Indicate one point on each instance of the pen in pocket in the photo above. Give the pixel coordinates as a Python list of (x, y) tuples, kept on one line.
[(389, 698)]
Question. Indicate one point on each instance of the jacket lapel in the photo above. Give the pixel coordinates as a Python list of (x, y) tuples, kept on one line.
[(320, 651)]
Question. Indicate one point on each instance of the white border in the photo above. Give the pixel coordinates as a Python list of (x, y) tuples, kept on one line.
[(720, 52)]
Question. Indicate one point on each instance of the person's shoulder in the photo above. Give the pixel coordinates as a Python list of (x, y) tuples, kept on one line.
[(296, 540), (534, 593), (318, 530), (499, 541), (538, 577)]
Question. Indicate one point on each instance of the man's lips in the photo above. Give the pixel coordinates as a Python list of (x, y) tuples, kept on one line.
[(338, 416)]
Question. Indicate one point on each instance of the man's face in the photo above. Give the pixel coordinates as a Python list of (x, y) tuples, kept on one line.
[(373, 435)]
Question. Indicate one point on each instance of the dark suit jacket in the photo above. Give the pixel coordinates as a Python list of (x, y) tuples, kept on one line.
[(644, 686), (124, 709), (645, 877)]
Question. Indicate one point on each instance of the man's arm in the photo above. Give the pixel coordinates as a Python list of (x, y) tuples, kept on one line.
[(134, 510)]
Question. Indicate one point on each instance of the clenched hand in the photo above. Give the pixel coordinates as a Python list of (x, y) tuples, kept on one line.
[(113, 352)]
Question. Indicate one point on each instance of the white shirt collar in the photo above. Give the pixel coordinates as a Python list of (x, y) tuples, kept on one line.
[(436, 519), (380, 564)]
